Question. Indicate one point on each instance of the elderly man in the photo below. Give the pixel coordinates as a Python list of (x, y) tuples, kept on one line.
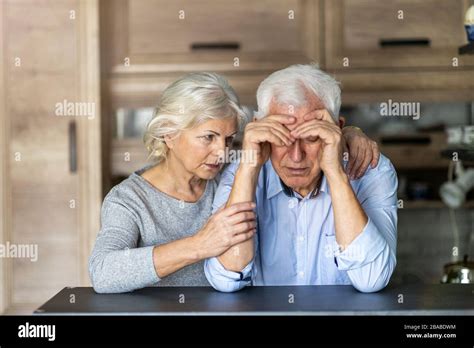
[(314, 225)]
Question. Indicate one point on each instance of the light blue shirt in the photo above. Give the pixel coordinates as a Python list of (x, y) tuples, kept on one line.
[(296, 244)]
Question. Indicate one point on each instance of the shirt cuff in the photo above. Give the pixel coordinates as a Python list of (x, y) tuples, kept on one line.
[(363, 250), (224, 280)]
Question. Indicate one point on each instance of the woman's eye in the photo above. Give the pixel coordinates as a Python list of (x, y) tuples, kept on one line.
[(229, 141), (208, 138)]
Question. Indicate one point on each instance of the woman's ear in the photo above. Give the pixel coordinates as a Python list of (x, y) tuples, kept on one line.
[(342, 121), (170, 140)]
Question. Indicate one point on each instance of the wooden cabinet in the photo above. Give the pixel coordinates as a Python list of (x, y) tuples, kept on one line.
[(52, 176), (161, 35), (376, 34)]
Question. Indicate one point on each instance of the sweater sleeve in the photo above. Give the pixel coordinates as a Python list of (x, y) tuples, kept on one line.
[(116, 264)]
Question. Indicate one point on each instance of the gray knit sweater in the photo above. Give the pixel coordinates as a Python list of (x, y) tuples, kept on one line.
[(135, 217)]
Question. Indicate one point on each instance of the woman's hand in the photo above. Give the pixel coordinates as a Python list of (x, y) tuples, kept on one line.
[(362, 152), (227, 227)]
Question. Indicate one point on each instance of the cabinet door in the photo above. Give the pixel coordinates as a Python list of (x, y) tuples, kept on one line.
[(397, 33), (42, 183), (181, 34), (44, 71)]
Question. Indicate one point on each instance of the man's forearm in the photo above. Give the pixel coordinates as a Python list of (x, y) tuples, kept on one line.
[(243, 190), (349, 217)]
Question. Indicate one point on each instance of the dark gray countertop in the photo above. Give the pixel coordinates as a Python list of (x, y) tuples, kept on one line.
[(435, 299)]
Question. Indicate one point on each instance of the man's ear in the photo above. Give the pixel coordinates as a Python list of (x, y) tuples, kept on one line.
[(342, 121)]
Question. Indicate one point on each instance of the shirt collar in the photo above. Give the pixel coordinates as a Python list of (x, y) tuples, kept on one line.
[(275, 185)]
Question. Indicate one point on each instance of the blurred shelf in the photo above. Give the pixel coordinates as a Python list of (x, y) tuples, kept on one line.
[(463, 153), (431, 204), (415, 151)]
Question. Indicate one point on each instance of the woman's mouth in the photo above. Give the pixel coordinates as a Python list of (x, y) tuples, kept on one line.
[(212, 166)]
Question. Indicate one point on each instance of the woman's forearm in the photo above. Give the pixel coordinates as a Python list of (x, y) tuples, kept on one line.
[(243, 190)]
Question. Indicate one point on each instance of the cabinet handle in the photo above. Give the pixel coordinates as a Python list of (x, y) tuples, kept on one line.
[(406, 140), (215, 46), (72, 147), (404, 42)]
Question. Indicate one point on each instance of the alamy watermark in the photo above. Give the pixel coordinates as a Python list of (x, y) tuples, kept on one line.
[(80, 109), (241, 156), (21, 251), (403, 109), (28, 330)]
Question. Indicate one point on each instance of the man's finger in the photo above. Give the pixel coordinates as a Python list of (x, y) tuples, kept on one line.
[(269, 135), (284, 119), (314, 126), (319, 114), (285, 136)]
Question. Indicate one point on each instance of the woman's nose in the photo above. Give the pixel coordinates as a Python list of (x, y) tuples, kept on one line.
[(219, 148)]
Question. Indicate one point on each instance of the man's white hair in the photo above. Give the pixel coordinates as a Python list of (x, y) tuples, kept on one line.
[(291, 86)]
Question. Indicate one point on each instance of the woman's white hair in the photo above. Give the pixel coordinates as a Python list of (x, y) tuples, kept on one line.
[(187, 102), (290, 86)]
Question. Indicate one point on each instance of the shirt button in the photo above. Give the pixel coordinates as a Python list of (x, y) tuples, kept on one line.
[(301, 238), (301, 273), (292, 203)]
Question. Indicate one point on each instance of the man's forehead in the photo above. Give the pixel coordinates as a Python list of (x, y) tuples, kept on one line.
[(297, 112), (290, 110)]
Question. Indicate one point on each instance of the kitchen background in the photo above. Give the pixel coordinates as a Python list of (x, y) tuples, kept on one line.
[(79, 78)]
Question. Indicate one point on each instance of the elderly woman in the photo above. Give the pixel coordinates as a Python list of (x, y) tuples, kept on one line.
[(157, 227)]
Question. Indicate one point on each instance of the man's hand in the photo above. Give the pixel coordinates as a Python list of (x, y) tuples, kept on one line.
[(361, 149), (320, 126), (260, 134), (349, 217)]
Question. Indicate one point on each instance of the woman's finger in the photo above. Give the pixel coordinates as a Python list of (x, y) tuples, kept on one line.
[(238, 207), (365, 163), (352, 160), (358, 162), (242, 237), (241, 217), (375, 155), (243, 227)]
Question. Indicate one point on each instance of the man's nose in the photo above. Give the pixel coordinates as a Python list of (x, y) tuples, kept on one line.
[(296, 152)]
